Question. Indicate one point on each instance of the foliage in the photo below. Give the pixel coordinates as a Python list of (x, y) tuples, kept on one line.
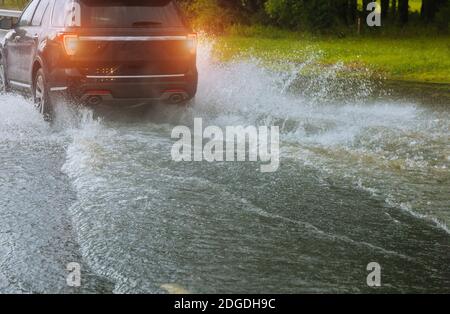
[(209, 15), (13, 4), (324, 16)]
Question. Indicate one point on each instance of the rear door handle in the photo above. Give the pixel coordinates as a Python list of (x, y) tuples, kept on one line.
[(36, 36)]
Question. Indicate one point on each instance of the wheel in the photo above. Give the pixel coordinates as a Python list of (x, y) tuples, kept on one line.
[(3, 81), (187, 103), (41, 96)]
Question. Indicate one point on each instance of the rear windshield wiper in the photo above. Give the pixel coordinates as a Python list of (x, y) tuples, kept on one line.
[(145, 23)]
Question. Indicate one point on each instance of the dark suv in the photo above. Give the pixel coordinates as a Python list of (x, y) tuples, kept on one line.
[(111, 51)]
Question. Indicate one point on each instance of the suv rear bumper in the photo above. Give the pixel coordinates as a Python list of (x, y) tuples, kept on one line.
[(170, 88)]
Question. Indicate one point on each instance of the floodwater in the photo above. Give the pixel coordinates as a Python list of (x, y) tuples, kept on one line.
[(362, 179)]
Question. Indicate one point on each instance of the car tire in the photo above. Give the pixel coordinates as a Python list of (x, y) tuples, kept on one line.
[(3, 81), (41, 96)]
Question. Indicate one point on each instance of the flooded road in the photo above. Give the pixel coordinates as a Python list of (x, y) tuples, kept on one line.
[(361, 179)]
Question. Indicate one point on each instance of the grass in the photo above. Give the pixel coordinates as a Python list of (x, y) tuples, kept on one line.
[(419, 58)]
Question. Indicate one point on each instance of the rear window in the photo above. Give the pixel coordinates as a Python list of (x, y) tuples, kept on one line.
[(117, 13), (66, 13)]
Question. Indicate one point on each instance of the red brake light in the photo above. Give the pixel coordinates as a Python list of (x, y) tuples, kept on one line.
[(70, 43), (192, 43)]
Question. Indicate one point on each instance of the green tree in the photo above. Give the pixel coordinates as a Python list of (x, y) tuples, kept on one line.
[(286, 13), (394, 9), (352, 10), (384, 8), (403, 11), (314, 14), (430, 8)]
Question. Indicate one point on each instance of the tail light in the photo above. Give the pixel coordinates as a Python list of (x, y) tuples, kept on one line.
[(70, 43), (192, 43)]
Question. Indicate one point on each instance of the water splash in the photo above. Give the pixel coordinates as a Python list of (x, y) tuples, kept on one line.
[(334, 122)]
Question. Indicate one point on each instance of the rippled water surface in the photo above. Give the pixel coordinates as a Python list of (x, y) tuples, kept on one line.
[(361, 180)]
